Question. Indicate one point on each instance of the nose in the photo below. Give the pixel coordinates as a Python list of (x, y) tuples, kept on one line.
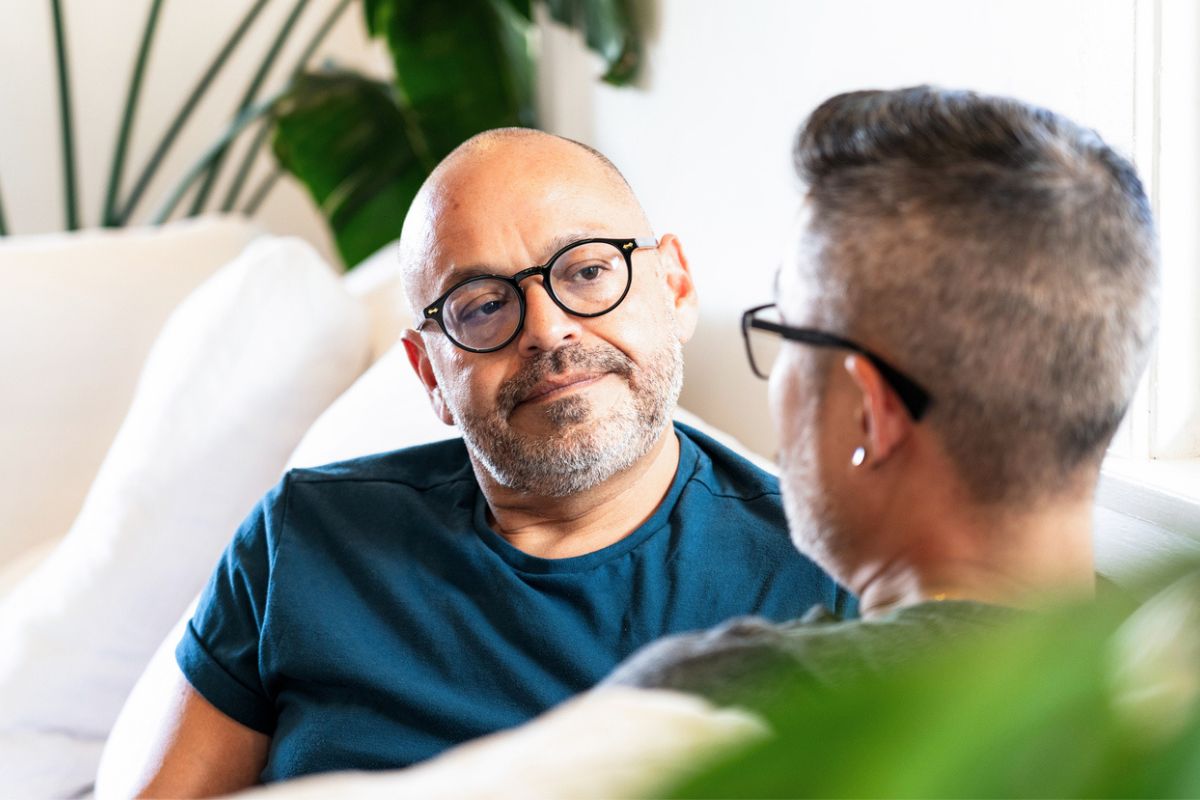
[(547, 327)]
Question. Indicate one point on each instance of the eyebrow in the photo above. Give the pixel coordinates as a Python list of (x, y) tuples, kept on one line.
[(460, 274)]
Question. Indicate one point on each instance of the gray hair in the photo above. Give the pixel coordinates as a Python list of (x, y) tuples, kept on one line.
[(998, 253)]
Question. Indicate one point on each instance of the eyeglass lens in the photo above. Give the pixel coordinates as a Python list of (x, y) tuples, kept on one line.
[(587, 279), (765, 346)]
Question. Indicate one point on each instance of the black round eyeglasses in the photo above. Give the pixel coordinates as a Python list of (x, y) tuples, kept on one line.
[(587, 278)]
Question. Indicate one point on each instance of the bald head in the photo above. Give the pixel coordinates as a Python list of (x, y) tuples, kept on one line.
[(492, 184)]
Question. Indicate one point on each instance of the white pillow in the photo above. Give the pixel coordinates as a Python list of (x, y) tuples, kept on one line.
[(240, 371), (612, 742), (78, 314), (377, 283), (386, 409)]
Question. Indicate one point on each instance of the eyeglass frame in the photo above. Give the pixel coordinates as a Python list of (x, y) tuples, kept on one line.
[(914, 397), (626, 247)]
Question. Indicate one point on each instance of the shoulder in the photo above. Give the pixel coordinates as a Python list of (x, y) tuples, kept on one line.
[(344, 504), (724, 472), (707, 662), (936, 620), (422, 467)]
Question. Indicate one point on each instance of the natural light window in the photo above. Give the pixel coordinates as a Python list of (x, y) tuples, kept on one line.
[(1160, 442)]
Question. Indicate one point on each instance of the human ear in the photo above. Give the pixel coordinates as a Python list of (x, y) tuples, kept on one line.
[(418, 357), (682, 291), (885, 421)]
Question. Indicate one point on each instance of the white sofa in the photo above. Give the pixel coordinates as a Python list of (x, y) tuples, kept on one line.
[(253, 355)]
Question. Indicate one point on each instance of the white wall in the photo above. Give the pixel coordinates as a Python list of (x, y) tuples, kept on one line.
[(102, 39), (706, 139)]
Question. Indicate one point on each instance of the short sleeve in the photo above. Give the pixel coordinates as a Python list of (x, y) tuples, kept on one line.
[(220, 651)]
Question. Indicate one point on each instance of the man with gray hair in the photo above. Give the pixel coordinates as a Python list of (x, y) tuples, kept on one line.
[(956, 335)]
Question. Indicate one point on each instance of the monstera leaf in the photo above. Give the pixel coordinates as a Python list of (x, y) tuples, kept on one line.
[(349, 140), (608, 28), (363, 148)]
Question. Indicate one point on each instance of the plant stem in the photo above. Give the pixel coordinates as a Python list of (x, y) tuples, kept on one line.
[(70, 193), (260, 194), (239, 124), (3, 224), (243, 170), (108, 216), (247, 162), (185, 111), (256, 82)]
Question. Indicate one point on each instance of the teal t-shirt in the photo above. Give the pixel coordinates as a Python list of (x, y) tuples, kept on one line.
[(366, 617)]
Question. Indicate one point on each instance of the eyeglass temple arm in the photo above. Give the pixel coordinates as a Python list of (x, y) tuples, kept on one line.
[(915, 399)]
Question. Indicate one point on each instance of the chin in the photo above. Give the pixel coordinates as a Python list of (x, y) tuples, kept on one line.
[(573, 410)]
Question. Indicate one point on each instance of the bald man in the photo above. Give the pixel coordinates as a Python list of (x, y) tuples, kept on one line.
[(373, 613)]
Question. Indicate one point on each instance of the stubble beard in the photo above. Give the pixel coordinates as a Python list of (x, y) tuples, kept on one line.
[(582, 450), (805, 503)]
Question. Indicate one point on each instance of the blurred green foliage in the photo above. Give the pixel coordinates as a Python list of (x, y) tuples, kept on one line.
[(1096, 700)]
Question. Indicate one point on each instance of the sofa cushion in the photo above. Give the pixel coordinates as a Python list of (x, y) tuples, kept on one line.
[(376, 282), (240, 371), (386, 409), (78, 314)]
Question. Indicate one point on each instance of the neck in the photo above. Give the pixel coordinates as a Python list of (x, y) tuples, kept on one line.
[(1018, 559), (563, 527)]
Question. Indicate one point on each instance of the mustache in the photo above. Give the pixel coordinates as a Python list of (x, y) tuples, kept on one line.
[(575, 358)]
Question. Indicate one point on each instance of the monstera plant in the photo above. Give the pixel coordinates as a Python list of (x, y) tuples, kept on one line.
[(361, 146)]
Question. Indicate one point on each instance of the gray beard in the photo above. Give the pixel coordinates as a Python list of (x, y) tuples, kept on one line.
[(583, 451), (809, 515)]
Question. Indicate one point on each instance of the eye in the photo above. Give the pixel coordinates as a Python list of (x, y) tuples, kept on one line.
[(483, 308), (479, 302), (590, 272), (586, 272)]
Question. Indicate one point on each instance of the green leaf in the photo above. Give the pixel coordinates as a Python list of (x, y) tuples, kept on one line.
[(522, 7), (609, 29), (375, 14), (517, 43), (454, 70), (347, 139), (1024, 711), (3, 224)]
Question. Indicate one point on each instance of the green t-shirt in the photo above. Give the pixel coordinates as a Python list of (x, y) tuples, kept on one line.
[(748, 660)]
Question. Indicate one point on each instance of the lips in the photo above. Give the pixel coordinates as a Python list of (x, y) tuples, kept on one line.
[(557, 369), (555, 383)]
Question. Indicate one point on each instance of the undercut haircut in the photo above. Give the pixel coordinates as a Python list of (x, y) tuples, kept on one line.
[(998, 253)]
